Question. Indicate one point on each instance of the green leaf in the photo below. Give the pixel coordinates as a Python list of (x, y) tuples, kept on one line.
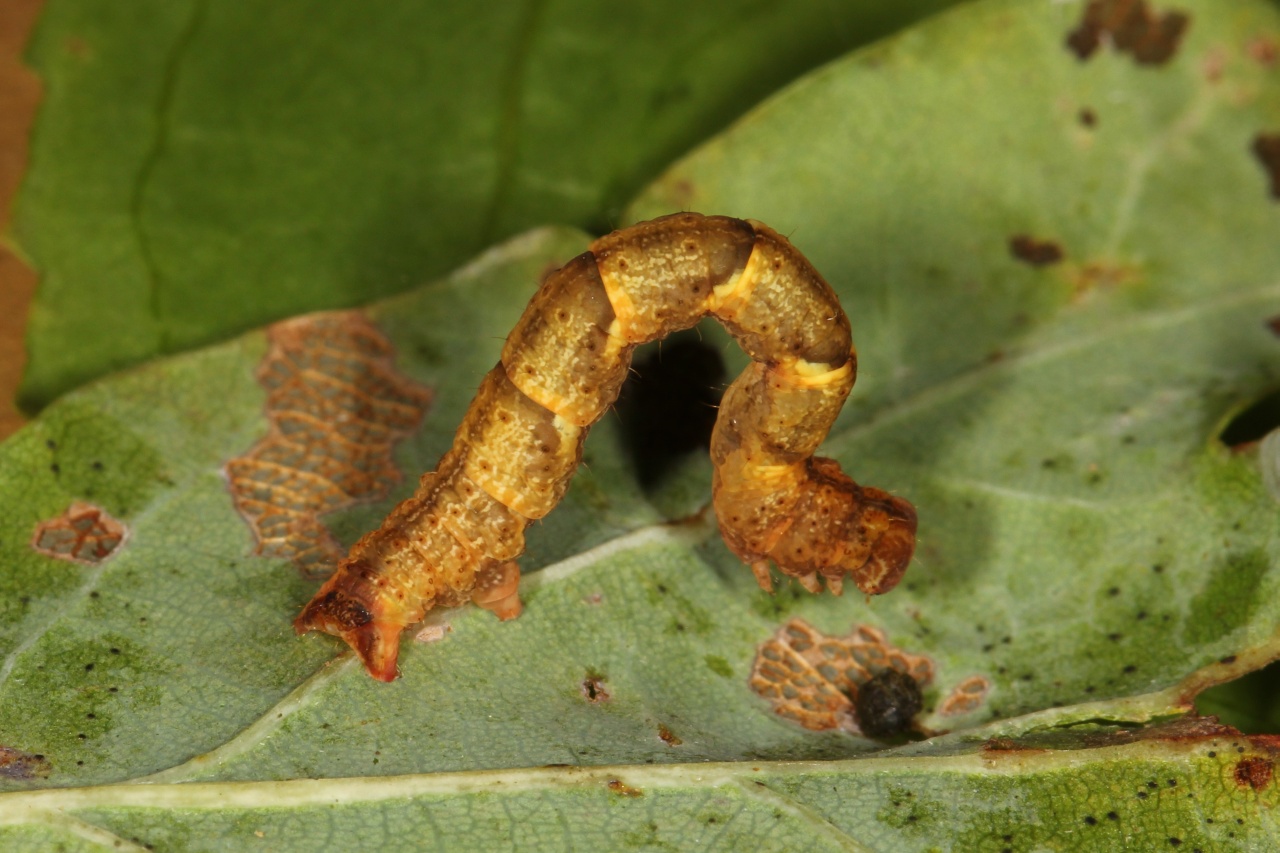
[(1087, 544), (203, 167)]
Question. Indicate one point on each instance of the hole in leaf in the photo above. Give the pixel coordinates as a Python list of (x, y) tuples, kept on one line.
[(1253, 423)]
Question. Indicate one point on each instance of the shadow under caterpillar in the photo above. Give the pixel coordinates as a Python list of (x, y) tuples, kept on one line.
[(563, 364)]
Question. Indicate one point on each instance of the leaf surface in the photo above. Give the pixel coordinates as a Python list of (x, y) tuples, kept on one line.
[(202, 167)]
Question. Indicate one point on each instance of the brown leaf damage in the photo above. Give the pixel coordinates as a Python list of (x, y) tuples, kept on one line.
[(966, 696), (1037, 253), (1129, 26), (814, 679), (83, 533), (336, 407), (17, 764), (1255, 772), (1266, 147)]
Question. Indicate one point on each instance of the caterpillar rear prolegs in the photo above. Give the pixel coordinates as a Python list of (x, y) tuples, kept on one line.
[(562, 366)]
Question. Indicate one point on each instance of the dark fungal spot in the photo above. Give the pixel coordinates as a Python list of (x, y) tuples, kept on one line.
[(1266, 147), (593, 687), (886, 704), (1090, 820), (1255, 772), (1037, 253), (1088, 117), (1129, 26)]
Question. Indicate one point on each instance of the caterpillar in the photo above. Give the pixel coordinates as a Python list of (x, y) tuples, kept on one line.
[(561, 368)]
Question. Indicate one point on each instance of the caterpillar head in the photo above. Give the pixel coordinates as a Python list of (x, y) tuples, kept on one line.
[(889, 523), (345, 608), (830, 527)]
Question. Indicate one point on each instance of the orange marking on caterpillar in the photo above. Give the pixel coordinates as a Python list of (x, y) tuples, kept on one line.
[(520, 442)]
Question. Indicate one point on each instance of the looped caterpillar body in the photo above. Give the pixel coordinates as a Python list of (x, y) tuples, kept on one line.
[(563, 364)]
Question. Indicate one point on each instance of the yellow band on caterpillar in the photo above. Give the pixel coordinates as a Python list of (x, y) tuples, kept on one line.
[(624, 310), (725, 300), (810, 374)]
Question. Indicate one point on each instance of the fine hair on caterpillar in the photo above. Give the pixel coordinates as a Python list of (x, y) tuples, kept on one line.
[(520, 442)]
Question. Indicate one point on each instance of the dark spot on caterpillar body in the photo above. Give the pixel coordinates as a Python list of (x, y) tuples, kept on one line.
[(887, 704), (562, 368)]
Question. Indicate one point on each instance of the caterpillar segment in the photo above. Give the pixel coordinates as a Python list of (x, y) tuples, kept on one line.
[(519, 444)]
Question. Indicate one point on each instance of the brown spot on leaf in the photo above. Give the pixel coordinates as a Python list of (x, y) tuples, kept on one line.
[(998, 747), (1264, 51), (1038, 253), (1088, 117), (1129, 26), (17, 764), (337, 408), (593, 688), (668, 736), (966, 696), (1274, 325), (1266, 147), (814, 679), (77, 48), (622, 789), (1095, 274), (1254, 772), (83, 533)]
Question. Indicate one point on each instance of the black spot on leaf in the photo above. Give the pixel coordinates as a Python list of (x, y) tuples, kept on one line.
[(1036, 252), (887, 703)]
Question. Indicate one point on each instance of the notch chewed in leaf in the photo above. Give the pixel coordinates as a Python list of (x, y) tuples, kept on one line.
[(337, 407), (1266, 147), (83, 533), (1253, 423), (1130, 26)]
